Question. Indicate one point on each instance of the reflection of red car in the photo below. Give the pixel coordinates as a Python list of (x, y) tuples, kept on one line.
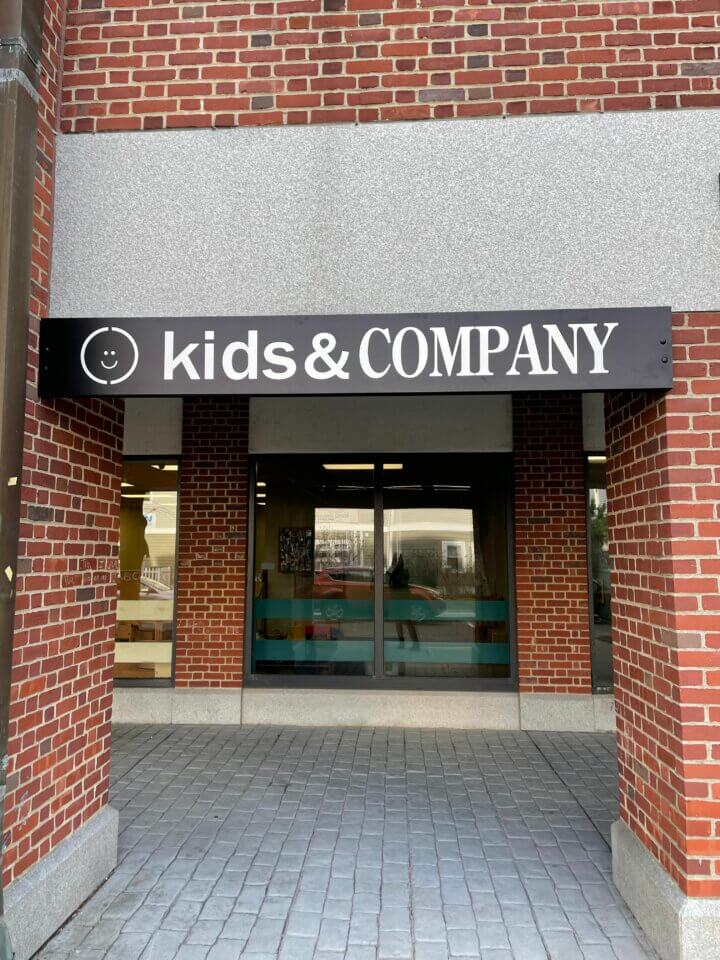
[(336, 584)]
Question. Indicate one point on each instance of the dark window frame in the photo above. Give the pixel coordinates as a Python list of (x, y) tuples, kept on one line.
[(380, 682), (161, 682)]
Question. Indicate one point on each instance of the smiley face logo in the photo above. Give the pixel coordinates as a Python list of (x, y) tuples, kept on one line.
[(109, 355)]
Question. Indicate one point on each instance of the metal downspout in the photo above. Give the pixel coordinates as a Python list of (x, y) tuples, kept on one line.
[(20, 45)]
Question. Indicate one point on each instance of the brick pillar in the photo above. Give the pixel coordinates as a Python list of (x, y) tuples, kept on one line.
[(551, 574), (63, 642), (664, 511), (62, 648), (213, 543)]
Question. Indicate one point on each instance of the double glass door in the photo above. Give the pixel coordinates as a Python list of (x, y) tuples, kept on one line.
[(391, 568)]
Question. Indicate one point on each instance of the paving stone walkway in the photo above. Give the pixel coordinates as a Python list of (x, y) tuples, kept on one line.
[(324, 844)]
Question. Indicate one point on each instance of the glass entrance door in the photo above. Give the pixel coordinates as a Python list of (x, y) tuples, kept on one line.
[(314, 583), (391, 571), (445, 608)]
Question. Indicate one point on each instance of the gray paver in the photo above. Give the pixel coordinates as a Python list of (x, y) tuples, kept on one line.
[(431, 951), (357, 844), (164, 945), (225, 950), (102, 935), (395, 945), (463, 943), (296, 948), (357, 952), (238, 927), (205, 932), (430, 925), (333, 935)]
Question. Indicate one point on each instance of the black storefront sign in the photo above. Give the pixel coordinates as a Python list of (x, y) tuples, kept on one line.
[(358, 354)]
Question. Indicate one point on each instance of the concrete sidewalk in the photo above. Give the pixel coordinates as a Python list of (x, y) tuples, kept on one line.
[(365, 844)]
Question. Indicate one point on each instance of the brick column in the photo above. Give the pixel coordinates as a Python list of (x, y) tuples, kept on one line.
[(63, 642), (551, 574), (664, 510), (213, 543), (60, 835)]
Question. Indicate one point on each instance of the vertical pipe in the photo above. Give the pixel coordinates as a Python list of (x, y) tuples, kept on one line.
[(20, 44)]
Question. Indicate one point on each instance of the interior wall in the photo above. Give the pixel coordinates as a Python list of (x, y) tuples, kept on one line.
[(153, 426), (399, 424), (593, 422)]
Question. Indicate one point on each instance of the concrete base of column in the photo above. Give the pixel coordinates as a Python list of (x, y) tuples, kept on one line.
[(679, 927), (567, 711), (43, 898)]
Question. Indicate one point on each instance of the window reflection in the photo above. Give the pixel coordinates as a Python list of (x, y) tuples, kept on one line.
[(443, 569), (146, 579), (600, 635), (445, 549), (314, 577)]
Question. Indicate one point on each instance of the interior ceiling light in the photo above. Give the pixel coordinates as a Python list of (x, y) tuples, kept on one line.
[(360, 466), (261, 483), (125, 484), (597, 459)]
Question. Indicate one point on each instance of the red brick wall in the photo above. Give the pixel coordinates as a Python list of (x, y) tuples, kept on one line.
[(551, 574), (61, 695), (61, 692), (142, 64), (213, 543), (664, 511)]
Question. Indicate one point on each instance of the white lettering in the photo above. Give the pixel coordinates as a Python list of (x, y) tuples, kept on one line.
[(209, 354), (273, 354), (441, 344), (527, 340), (323, 345), (170, 363), (250, 349), (596, 345), (503, 339), (557, 340), (397, 356), (364, 354)]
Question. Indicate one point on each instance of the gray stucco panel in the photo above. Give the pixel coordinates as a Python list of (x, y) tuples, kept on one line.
[(532, 213)]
